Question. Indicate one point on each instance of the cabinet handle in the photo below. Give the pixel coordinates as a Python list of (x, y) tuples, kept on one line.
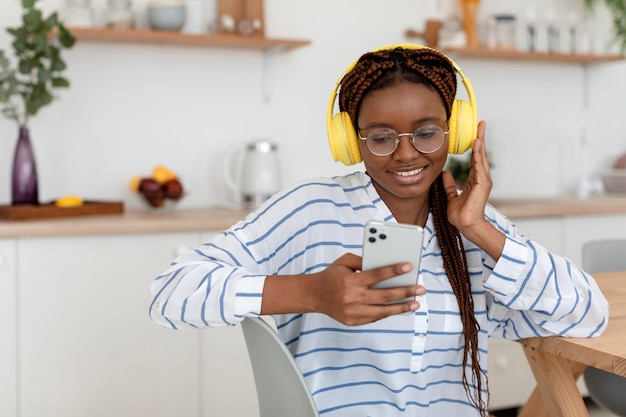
[(181, 249), (502, 362)]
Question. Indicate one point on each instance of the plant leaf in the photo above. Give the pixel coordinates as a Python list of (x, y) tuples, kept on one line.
[(60, 82)]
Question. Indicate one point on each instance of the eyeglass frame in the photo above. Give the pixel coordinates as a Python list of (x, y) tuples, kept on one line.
[(411, 140)]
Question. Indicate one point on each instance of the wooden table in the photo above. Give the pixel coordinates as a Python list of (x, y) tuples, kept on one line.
[(557, 362)]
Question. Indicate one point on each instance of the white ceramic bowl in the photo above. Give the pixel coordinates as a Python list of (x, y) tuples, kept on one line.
[(614, 180), (166, 15)]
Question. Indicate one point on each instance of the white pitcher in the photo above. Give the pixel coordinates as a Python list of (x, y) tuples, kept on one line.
[(253, 174)]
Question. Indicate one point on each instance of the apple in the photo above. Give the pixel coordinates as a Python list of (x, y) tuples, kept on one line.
[(155, 200), (173, 189), (150, 187)]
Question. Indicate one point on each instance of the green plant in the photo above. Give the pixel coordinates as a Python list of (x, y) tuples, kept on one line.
[(37, 46), (618, 14), (459, 166)]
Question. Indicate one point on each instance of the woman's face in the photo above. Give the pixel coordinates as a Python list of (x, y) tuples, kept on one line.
[(406, 174)]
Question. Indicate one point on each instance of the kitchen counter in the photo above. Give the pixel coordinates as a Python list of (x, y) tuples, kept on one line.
[(217, 219), (526, 208), (130, 222)]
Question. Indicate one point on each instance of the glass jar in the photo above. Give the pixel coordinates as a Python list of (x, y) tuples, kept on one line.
[(506, 34), (119, 15), (78, 13)]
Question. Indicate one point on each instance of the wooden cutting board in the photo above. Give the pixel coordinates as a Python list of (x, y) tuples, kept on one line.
[(48, 210)]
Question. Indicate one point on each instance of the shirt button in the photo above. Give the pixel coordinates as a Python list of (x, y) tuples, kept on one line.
[(157, 305)]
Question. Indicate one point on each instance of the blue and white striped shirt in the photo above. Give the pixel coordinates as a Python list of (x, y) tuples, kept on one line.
[(403, 365)]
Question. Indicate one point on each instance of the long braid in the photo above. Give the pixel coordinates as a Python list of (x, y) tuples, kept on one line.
[(455, 264), (376, 70)]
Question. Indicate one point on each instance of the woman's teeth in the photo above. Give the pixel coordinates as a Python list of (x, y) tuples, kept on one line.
[(409, 173)]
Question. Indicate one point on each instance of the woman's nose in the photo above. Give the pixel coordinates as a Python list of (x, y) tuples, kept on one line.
[(405, 150)]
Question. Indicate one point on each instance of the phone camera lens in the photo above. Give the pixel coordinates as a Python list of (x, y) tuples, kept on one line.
[(382, 236), (372, 239), (372, 230)]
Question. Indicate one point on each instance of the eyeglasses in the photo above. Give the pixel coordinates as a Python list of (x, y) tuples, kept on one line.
[(383, 141)]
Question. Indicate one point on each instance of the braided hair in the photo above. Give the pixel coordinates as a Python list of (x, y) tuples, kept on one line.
[(383, 68)]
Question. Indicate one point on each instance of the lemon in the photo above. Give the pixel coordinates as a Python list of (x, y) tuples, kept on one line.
[(134, 183), (69, 201), (162, 175)]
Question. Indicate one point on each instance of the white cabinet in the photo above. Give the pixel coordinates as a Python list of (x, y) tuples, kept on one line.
[(580, 229), (87, 345), (8, 329), (546, 231), (227, 379), (511, 380)]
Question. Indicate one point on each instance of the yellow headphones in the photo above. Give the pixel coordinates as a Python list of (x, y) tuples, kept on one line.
[(343, 139)]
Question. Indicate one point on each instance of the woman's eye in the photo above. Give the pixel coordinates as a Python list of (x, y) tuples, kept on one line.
[(426, 132), (380, 137)]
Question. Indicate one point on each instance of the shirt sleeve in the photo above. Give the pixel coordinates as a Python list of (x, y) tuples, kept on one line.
[(209, 286), (534, 292)]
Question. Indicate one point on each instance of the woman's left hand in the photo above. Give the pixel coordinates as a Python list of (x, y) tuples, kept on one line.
[(466, 211)]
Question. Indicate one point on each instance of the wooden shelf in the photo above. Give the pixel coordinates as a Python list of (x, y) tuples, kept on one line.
[(182, 39), (512, 55)]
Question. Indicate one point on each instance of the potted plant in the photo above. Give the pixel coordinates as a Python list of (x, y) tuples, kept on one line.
[(459, 166), (617, 8), (27, 87)]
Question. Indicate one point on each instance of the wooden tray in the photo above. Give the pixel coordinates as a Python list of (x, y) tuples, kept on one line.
[(48, 210)]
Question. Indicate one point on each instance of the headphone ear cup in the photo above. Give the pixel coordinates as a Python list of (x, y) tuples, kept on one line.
[(343, 140), (463, 127)]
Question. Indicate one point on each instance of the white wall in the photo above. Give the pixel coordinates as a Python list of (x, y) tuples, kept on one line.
[(131, 107)]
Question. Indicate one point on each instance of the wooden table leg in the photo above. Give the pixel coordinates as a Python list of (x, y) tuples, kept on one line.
[(556, 394)]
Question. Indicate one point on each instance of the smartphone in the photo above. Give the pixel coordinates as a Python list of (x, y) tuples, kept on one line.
[(387, 243)]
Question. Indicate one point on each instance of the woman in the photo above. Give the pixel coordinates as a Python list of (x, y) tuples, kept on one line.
[(297, 258)]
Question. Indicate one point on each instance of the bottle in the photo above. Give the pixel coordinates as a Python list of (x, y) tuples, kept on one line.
[(119, 15), (78, 13), (194, 17)]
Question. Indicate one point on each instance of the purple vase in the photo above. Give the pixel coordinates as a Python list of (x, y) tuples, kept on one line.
[(24, 182)]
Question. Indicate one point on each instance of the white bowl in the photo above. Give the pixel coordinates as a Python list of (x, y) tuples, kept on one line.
[(614, 180), (166, 16)]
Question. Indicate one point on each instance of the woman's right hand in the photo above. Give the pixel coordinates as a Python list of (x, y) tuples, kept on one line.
[(344, 292)]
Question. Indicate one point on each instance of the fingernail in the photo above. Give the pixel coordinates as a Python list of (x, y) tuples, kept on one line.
[(414, 306), (406, 267)]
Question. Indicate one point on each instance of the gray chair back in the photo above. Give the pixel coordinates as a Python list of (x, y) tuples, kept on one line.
[(604, 255), (280, 386)]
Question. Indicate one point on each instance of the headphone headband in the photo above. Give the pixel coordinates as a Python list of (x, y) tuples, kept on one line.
[(340, 135)]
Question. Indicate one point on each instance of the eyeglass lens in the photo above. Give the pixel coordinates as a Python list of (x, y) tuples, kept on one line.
[(384, 141)]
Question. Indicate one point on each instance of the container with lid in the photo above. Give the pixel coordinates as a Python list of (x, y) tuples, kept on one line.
[(78, 13), (505, 31), (119, 15)]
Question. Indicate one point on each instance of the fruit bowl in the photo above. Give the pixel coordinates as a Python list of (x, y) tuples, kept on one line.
[(166, 205), (161, 190)]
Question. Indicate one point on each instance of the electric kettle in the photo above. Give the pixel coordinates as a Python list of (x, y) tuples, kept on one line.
[(253, 173)]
